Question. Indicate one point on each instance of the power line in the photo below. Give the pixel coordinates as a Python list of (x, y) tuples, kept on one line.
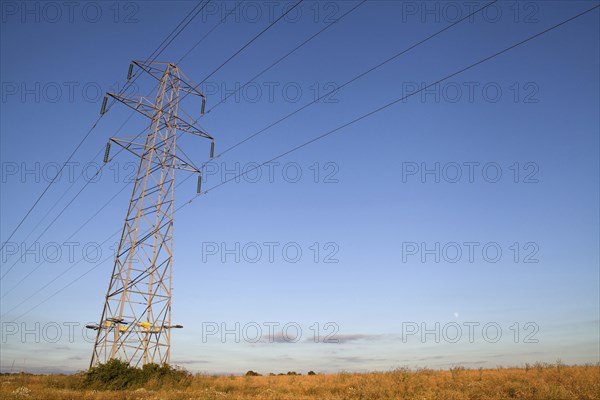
[(69, 238), (56, 218), (81, 259), (175, 29), (248, 44), (353, 80), (76, 263), (186, 24), (56, 278), (209, 32), (341, 127), (57, 201), (72, 185), (385, 106), (51, 182), (66, 207), (65, 287), (286, 55)]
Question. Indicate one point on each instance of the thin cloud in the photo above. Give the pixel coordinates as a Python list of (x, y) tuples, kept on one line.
[(188, 362), (347, 338)]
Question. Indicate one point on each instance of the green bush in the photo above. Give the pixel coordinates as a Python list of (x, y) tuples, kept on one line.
[(118, 375)]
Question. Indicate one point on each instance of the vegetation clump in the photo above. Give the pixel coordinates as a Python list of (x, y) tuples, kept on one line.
[(119, 375)]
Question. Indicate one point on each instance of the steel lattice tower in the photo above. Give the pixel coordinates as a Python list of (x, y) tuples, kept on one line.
[(135, 325)]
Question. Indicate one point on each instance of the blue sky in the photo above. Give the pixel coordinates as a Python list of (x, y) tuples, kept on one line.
[(503, 157)]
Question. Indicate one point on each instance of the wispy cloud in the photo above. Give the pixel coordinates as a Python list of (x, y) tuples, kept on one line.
[(279, 337), (190, 362), (353, 337), (358, 360)]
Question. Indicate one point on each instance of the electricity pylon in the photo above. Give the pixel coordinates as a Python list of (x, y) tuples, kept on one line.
[(135, 325)]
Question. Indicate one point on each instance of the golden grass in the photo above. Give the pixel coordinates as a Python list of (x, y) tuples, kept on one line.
[(546, 382)]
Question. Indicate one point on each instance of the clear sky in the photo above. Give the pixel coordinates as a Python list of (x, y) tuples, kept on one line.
[(459, 226)]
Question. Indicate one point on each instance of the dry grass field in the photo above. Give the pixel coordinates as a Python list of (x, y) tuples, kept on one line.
[(533, 382)]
